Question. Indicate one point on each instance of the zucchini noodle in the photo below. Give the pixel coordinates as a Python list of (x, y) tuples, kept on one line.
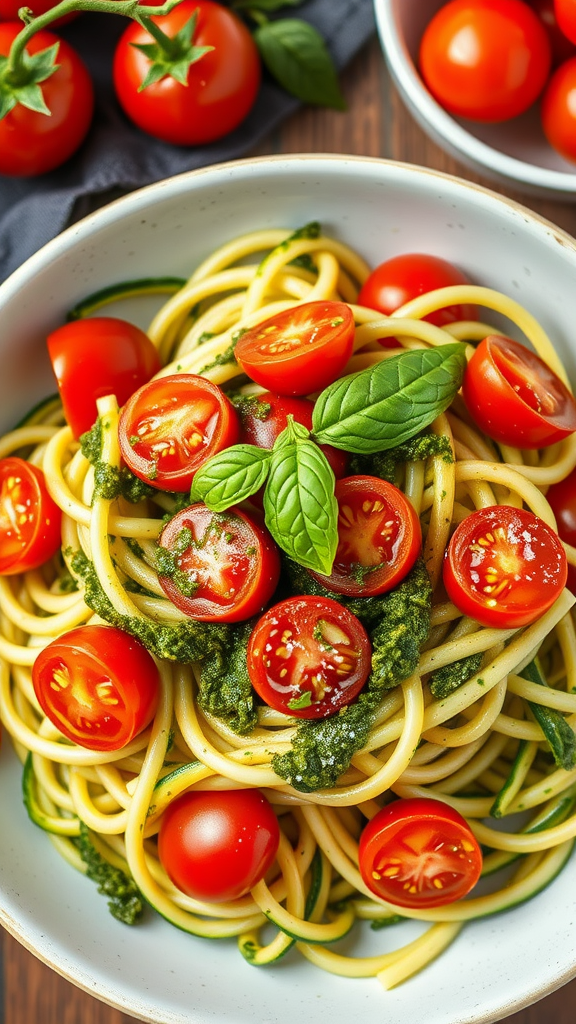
[(477, 748)]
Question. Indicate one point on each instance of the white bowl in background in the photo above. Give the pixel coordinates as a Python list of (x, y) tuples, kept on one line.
[(154, 971), (514, 153)]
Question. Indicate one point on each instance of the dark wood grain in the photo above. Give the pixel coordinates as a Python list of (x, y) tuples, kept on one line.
[(375, 124)]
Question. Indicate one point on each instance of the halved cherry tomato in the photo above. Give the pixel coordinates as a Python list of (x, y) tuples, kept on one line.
[(96, 357), (379, 537), (515, 397), (419, 853), (265, 416), (97, 685), (562, 498), (308, 657), (172, 425), (558, 110), (222, 565), (565, 11), (215, 846), (30, 520), (300, 350), (504, 567)]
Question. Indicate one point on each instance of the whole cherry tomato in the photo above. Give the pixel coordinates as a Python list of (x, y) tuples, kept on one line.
[(32, 143), (562, 48), (558, 110), (504, 567), (515, 397), (221, 84), (97, 685), (30, 520), (96, 357), (419, 853), (562, 498), (487, 60), (215, 846), (565, 11)]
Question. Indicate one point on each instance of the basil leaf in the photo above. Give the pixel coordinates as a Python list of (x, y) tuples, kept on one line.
[(231, 476), (300, 509), (296, 55), (390, 402)]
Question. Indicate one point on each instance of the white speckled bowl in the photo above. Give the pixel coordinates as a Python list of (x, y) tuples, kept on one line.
[(156, 972), (515, 153)]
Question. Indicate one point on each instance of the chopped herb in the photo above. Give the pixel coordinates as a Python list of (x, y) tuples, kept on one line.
[(303, 701)]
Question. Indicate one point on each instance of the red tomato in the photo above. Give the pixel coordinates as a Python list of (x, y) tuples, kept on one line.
[(562, 498), (419, 853), (504, 567), (30, 520), (97, 685), (172, 425), (215, 846), (32, 143), (486, 60), (300, 350), (562, 48), (308, 657), (96, 357), (221, 86), (224, 565), (9, 10), (515, 397), (379, 537), (558, 110), (565, 11)]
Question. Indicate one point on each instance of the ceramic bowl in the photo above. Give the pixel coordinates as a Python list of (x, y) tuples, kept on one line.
[(154, 971), (514, 153)]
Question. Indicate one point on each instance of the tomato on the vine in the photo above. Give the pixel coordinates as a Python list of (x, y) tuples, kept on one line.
[(216, 845), (565, 11), (300, 350), (217, 566), (419, 853), (558, 110), (31, 142), (97, 685), (308, 657), (172, 425), (9, 10), (95, 357), (30, 521), (487, 60), (515, 397), (214, 92), (504, 567)]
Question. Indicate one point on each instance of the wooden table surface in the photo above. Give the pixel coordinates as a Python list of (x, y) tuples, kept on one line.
[(375, 124)]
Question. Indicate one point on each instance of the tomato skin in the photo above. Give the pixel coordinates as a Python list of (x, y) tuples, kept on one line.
[(565, 11), (558, 110), (486, 60), (515, 397), (172, 425), (240, 547), (386, 536), (222, 85), (262, 429), (504, 567), (23, 492), (562, 498), (96, 357), (32, 143), (97, 685), (413, 844), (321, 649), (215, 846), (562, 48), (298, 351)]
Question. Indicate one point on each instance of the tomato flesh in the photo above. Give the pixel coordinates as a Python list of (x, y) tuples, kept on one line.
[(97, 685), (419, 853), (30, 521), (308, 657), (504, 567)]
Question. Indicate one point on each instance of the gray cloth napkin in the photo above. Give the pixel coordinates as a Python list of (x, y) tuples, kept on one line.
[(117, 155)]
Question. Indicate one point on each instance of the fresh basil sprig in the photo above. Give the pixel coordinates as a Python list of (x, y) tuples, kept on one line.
[(231, 476)]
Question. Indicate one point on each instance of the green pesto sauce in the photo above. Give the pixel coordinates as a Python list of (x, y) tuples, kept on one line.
[(445, 680), (383, 464), (125, 900)]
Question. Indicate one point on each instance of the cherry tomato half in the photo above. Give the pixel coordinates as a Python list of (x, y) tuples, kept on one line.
[(222, 565), (215, 846), (379, 537), (565, 11), (97, 685), (172, 425), (558, 110), (562, 48), (300, 350), (30, 520), (486, 60), (308, 657), (515, 397), (562, 498), (96, 357), (419, 853), (504, 567), (221, 86), (30, 142)]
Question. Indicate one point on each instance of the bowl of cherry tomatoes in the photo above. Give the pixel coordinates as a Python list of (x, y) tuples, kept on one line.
[(493, 82)]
